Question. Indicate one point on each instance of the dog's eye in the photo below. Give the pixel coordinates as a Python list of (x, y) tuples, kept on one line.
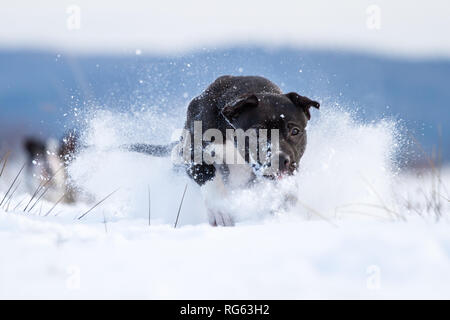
[(295, 131)]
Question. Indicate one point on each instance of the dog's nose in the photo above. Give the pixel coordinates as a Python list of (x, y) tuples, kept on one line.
[(284, 162)]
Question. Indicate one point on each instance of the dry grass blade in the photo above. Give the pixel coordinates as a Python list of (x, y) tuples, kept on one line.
[(45, 191), (4, 164), (427, 157), (317, 213), (430, 160), (7, 204), (438, 187), (97, 204), (12, 184), (181, 204), (15, 208), (105, 222), (366, 215), (445, 198), (11, 195), (38, 199), (34, 194), (39, 188), (376, 206), (54, 206), (380, 198), (149, 207)]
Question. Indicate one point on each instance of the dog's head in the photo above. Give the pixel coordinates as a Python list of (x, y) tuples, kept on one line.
[(287, 113)]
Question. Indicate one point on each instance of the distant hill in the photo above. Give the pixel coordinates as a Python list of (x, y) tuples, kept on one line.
[(37, 89)]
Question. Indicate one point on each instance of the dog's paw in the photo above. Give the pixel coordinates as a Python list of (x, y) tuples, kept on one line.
[(221, 219)]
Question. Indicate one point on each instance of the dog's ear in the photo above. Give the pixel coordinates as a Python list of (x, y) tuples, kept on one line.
[(235, 108), (303, 102)]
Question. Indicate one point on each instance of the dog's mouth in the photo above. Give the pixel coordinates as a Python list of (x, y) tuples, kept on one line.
[(279, 175), (276, 177), (266, 171)]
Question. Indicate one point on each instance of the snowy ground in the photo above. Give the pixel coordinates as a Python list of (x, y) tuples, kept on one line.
[(50, 258), (362, 228)]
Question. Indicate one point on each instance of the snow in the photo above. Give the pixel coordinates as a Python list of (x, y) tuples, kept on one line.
[(363, 228), (287, 258)]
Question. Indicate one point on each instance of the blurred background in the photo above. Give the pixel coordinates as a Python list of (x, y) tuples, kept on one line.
[(376, 58)]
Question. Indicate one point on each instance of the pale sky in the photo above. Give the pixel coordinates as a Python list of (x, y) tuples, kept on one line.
[(395, 27)]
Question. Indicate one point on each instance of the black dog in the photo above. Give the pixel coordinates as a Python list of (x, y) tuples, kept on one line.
[(244, 102)]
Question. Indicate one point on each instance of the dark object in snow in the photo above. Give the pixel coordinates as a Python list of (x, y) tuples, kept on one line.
[(52, 159)]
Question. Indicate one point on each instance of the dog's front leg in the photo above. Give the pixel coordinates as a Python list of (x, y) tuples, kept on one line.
[(217, 218), (215, 193)]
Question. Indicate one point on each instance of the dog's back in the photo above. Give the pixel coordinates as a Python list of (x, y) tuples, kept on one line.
[(226, 88), (207, 106)]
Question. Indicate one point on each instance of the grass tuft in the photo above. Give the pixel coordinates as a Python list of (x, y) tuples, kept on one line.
[(149, 207), (12, 184), (56, 203), (5, 158)]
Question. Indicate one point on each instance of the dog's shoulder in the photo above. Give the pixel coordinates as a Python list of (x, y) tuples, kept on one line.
[(207, 105)]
